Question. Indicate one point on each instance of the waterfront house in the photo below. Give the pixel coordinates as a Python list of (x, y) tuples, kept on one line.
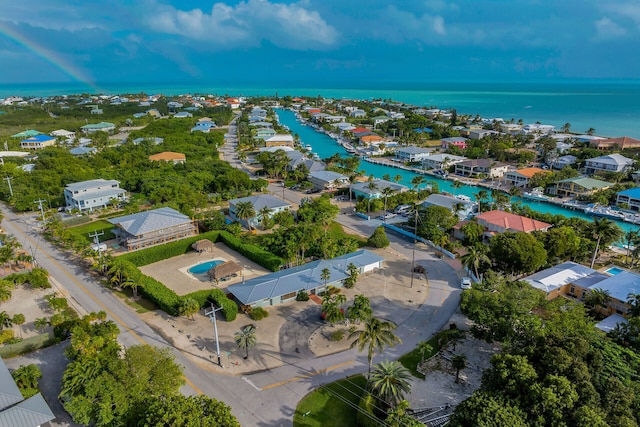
[(358, 114), (367, 140), (557, 280), (630, 198), (510, 128), (283, 286), (360, 132), (610, 163), (152, 227), (37, 142), (441, 161), (563, 161), (499, 222), (458, 142), (262, 124), (620, 143), (15, 410), (328, 180), (168, 157), (279, 140), (521, 177), (368, 191), (463, 207), (98, 127), (95, 193), (259, 202), (412, 153), (481, 167), (296, 158), (580, 186)]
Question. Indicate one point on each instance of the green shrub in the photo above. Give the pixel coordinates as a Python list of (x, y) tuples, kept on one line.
[(378, 239), (302, 295), (254, 253), (258, 313), (159, 294), (229, 307), (337, 335), (166, 251), (36, 278)]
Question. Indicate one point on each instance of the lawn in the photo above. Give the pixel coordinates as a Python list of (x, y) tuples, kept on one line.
[(27, 345), (331, 405), (99, 226)]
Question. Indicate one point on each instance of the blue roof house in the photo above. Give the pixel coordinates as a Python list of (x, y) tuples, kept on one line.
[(283, 286), (630, 197)]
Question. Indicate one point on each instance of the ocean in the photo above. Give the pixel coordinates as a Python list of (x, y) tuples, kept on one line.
[(612, 109)]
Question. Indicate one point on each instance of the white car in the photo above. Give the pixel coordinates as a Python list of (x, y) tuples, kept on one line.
[(465, 283)]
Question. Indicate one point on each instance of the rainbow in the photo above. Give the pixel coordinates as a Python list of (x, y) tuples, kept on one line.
[(67, 68)]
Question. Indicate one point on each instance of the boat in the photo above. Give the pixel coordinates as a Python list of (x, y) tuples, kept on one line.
[(604, 212), (536, 194), (308, 147)]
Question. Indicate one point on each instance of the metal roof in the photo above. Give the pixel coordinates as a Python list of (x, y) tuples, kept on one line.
[(588, 183), (552, 278), (609, 323), (92, 184), (9, 392), (149, 221), (103, 192), (29, 413), (633, 193), (327, 176), (305, 277), (261, 201), (620, 285)]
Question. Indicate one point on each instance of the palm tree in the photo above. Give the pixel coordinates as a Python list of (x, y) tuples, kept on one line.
[(245, 211), (515, 191), (376, 335), (18, 319), (371, 186), (360, 310), (597, 297), (386, 192), (246, 338), (631, 237), (604, 230), (119, 272), (41, 323), (5, 291), (634, 301), (474, 258), (398, 417), (441, 241), (591, 131), (5, 321), (27, 376), (456, 184), (424, 347), (458, 363), (390, 382), (416, 181), (397, 178), (480, 196), (265, 216), (325, 275), (566, 128)]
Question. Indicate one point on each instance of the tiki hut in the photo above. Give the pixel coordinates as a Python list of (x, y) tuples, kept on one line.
[(223, 270), (203, 245)]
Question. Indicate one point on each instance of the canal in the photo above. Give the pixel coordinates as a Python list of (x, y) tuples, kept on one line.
[(326, 146)]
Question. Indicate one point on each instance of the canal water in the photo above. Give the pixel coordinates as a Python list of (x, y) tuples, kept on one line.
[(326, 146)]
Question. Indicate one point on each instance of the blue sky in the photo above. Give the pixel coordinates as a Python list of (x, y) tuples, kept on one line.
[(310, 41)]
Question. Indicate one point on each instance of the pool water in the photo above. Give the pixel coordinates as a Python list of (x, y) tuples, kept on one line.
[(203, 267), (614, 270)]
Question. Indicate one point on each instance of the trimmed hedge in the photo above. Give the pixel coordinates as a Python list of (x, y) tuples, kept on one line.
[(159, 294), (229, 307), (166, 251), (254, 253)]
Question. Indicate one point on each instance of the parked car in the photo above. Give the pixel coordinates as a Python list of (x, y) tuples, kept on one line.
[(465, 283), (387, 216)]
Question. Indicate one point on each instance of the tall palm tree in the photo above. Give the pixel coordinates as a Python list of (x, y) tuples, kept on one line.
[(265, 215), (360, 310), (41, 323), (416, 181), (515, 191), (5, 321), (397, 178), (458, 363), (597, 297), (474, 258), (376, 335), (605, 231), (631, 238), (325, 275), (245, 211), (246, 338), (18, 319), (456, 184), (480, 196), (424, 347), (386, 192), (390, 382)]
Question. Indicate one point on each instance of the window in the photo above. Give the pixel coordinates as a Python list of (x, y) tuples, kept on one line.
[(289, 295), (572, 290)]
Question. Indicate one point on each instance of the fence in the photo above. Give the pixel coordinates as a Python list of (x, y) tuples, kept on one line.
[(418, 238)]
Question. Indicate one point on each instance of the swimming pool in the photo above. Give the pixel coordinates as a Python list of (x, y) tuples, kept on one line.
[(203, 267), (614, 270)]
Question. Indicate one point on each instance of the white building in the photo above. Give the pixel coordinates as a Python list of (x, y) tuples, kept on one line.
[(96, 193)]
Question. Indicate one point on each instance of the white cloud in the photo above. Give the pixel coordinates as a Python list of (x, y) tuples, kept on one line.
[(607, 29), (247, 24)]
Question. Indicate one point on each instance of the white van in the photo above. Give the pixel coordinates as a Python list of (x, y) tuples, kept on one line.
[(99, 248), (402, 208)]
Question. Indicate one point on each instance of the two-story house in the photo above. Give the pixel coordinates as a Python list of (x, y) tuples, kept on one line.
[(96, 193), (610, 163)]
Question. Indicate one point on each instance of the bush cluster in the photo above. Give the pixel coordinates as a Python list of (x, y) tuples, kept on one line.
[(36, 278), (254, 253), (337, 335), (302, 295), (166, 251), (258, 313)]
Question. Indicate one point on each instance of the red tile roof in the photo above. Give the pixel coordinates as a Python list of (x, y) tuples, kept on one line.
[(360, 130), (511, 222)]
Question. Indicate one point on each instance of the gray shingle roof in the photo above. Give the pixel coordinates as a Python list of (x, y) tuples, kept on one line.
[(327, 176), (149, 221), (94, 183), (305, 277), (9, 392), (261, 201)]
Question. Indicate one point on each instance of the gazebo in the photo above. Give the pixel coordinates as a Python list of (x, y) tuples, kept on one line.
[(223, 270), (203, 245)]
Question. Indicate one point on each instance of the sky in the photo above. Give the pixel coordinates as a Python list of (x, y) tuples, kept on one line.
[(346, 41)]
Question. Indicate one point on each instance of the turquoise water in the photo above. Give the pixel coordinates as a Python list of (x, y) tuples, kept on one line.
[(325, 147), (611, 108), (614, 270), (203, 267)]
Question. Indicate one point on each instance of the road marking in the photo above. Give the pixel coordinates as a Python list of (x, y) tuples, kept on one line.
[(310, 374), (104, 307), (248, 381)]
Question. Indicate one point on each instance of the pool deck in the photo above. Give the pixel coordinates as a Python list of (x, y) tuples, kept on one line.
[(173, 272)]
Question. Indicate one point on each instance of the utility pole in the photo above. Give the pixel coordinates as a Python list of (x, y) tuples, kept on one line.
[(212, 317), (8, 179), (39, 202), (413, 252)]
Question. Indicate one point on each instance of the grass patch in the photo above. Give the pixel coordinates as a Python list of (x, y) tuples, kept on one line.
[(336, 231), (324, 408), (101, 225), (141, 305), (27, 345)]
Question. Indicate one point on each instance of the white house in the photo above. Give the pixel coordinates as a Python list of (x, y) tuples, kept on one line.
[(461, 206), (610, 163), (328, 180), (440, 161), (96, 193), (412, 153)]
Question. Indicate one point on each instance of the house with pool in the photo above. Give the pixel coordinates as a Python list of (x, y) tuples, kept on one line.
[(283, 286), (576, 281)]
